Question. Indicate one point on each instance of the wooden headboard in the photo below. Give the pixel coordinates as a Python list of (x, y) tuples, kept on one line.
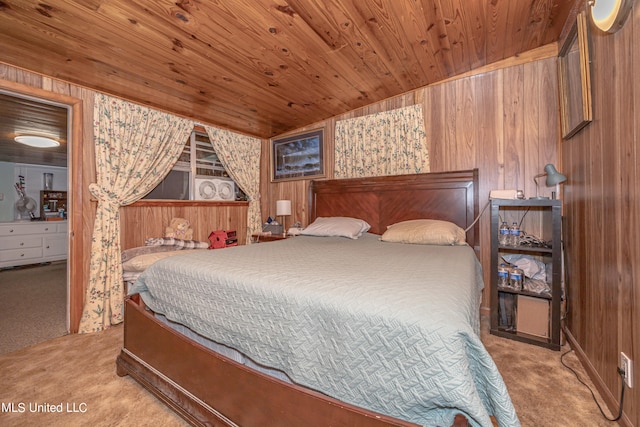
[(382, 201)]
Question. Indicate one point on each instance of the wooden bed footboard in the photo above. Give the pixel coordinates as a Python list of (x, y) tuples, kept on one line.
[(208, 389)]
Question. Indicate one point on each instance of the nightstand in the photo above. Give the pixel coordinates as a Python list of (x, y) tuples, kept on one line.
[(257, 238), (542, 309)]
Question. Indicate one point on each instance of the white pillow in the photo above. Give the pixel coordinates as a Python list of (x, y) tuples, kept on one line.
[(337, 226), (425, 232)]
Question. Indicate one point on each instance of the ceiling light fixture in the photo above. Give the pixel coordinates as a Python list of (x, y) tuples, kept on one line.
[(37, 141), (609, 15)]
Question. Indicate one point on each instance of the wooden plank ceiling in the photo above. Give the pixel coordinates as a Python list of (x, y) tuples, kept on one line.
[(23, 116), (265, 67)]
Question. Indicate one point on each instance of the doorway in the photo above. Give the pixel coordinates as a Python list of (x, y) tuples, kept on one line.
[(75, 259), (34, 154)]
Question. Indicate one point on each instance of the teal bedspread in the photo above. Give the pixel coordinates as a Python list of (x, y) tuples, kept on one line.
[(390, 327)]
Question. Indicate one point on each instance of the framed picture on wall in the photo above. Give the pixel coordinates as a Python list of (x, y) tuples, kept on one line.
[(574, 79), (298, 156)]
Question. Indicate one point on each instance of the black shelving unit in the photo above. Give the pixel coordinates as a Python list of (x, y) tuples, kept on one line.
[(551, 213)]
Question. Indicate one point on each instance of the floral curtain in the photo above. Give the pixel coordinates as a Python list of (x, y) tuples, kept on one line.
[(389, 143), (135, 149), (240, 156)]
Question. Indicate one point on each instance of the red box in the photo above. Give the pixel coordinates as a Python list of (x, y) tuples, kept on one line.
[(221, 239)]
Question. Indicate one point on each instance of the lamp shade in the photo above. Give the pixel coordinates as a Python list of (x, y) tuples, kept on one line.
[(283, 207), (553, 176)]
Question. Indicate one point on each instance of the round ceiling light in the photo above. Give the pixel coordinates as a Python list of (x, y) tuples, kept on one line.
[(37, 141), (609, 15)]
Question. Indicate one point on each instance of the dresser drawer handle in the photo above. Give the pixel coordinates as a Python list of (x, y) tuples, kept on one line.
[(21, 243), (21, 254), (46, 229), (47, 246), (11, 231)]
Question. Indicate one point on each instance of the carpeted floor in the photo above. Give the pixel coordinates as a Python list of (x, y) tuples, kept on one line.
[(78, 371), (543, 391), (33, 305)]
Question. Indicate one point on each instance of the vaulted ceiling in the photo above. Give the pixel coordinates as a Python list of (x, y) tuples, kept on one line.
[(265, 67)]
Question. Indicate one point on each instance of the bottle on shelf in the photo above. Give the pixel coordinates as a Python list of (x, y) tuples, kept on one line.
[(516, 278), (503, 276), (514, 234), (503, 234)]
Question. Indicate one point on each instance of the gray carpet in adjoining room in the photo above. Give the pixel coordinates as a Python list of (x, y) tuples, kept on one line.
[(33, 305)]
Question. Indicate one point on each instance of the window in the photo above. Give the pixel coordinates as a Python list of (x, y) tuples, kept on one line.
[(174, 186), (196, 173), (204, 157)]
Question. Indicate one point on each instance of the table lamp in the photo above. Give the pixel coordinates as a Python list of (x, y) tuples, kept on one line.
[(283, 208), (553, 178)]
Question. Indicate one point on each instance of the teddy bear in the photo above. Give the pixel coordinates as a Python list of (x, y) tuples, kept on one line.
[(179, 228)]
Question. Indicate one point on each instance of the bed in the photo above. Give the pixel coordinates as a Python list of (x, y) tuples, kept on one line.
[(347, 350)]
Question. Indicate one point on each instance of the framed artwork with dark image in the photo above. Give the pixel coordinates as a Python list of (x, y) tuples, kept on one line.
[(298, 156)]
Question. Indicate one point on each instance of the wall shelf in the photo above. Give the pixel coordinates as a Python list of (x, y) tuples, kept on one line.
[(50, 202)]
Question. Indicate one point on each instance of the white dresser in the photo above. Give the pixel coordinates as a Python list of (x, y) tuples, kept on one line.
[(26, 242)]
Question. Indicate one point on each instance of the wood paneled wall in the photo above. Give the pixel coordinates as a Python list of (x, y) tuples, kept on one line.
[(602, 217), (145, 219), (502, 120)]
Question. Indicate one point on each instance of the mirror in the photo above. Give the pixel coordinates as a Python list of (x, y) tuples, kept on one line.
[(609, 15), (574, 79)]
